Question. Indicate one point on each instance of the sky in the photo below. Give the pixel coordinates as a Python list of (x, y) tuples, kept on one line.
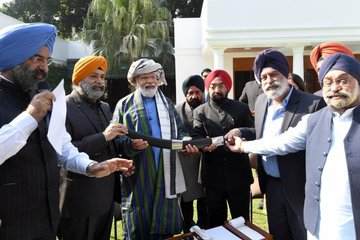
[(3, 1)]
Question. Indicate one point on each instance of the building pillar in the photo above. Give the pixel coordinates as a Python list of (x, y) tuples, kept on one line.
[(218, 58), (298, 60)]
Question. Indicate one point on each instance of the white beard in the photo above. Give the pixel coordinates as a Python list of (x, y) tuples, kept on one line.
[(148, 92), (281, 89)]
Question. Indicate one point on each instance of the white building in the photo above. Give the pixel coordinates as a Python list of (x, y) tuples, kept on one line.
[(230, 33), (63, 49)]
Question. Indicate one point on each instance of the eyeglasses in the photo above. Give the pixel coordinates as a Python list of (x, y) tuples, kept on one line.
[(41, 60), (344, 82), (220, 86)]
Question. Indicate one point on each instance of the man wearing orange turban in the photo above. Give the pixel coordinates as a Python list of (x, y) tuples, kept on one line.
[(88, 204), (87, 65), (323, 50), (226, 177)]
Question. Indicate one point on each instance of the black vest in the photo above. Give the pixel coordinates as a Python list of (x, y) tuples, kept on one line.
[(29, 180)]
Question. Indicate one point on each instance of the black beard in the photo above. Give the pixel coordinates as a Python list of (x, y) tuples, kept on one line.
[(194, 103), (219, 98), (24, 77)]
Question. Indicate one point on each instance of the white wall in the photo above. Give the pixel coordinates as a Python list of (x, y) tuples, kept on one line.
[(262, 14), (283, 24), (188, 54), (6, 20)]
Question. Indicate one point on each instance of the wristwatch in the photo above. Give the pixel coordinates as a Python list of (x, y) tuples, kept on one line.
[(88, 169)]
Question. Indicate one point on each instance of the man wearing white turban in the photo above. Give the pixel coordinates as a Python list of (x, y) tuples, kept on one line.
[(151, 194)]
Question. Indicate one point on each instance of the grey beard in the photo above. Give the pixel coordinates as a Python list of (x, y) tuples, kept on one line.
[(91, 93)]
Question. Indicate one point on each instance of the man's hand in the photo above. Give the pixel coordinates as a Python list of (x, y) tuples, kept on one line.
[(236, 147), (41, 104), (107, 167), (230, 136), (190, 149), (114, 130), (210, 148), (129, 172), (139, 144)]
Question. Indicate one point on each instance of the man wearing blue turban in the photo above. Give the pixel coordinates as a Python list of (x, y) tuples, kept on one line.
[(281, 178), (331, 138), (29, 165)]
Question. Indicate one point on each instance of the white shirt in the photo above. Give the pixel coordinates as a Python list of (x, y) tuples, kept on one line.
[(13, 137), (336, 216)]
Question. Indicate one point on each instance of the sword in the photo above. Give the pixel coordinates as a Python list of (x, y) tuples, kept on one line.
[(177, 144)]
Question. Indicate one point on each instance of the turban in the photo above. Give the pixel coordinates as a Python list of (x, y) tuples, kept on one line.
[(22, 41), (224, 77), (326, 49), (194, 80), (270, 58), (144, 66), (340, 61), (87, 65)]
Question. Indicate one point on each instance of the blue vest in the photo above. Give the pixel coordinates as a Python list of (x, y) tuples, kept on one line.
[(317, 148)]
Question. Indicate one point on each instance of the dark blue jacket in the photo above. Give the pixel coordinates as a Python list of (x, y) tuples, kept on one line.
[(319, 138)]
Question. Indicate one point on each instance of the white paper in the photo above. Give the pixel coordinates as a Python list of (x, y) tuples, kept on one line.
[(250, 233), (239, 224), (58, 116), (200, 232), (220, 233)]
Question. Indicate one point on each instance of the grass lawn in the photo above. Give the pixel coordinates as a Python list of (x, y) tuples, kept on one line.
[(259, 219)]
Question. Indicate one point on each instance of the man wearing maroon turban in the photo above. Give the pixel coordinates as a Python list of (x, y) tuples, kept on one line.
[(281, 178), (226, 176)]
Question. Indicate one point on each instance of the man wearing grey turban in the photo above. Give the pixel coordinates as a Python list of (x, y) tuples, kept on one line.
[(331, 138)]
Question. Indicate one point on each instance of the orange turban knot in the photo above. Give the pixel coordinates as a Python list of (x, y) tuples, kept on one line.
[(87, 65), (326, 49), (224, 77)]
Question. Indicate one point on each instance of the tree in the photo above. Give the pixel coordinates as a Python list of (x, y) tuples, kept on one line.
[(185, 8), (66, 15), (125, 30)]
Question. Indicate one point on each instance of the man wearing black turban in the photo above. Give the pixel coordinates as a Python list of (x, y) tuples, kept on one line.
[(193, 88), (282, 178), (331, 138)]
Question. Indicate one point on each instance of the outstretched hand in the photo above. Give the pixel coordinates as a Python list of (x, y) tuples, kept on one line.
[(230, 136), (236, 145), (107, 167)]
